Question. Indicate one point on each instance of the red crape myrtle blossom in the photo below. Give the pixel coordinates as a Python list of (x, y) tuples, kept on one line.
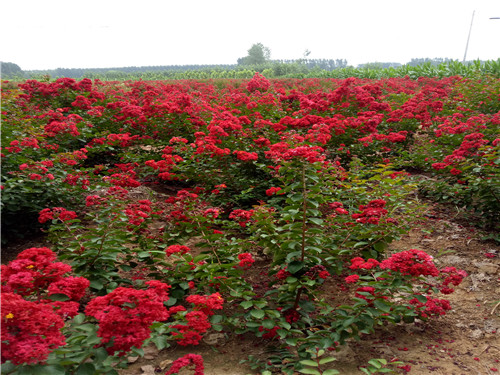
[(338, 207), (32, 271), (258, 83), (174, 249), (432, 307), (246, 261), (451, 276), (359, 263), (187, 360), (95, 200), (273, 191), (351, 279), (138, 212), (411, 262), (56, 213), (283, 274), (125, 315), (317, 271), (30, 330), (197, 322), (191, 333), (241, 216), (310, 153), (372, 212), (206, 304), (73, 287)]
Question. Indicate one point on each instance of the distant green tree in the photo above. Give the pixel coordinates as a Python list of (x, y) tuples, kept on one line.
[(9, 69), (257, 54)]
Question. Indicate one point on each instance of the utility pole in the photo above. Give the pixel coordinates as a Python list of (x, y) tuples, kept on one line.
[(470, 29)]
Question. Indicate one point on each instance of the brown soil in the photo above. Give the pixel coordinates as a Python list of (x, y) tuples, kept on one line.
[(465, 341)]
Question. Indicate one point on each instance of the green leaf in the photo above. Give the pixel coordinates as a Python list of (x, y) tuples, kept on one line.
[(257, 314), (58, 297), (327, 360), (309, 362), (377, 362), (310, 371), (282, 332), (331, 372), (316, 220), (216, 319), (246, 304), (295, 266), (48, 370), (268, 323), (96, 284), (87, 327), (382, 305), (79, 319), (421, 298), (379, 246), (85, 369)]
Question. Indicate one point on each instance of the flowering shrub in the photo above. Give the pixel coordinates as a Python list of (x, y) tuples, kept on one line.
[(164, 199), (30, 330), (41, 325)]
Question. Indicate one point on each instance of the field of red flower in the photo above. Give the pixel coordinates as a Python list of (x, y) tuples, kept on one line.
[(275, 213)]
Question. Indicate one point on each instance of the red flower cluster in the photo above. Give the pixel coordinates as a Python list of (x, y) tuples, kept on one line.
[(187, 360), (174, 249), (125, 315), (451, 276), (32, 271), (138, 212), (411, 262), (56, 213), (197, 320), (258, 83), (283, 274), (351, 279), (432, 307), (372, 212), (73, 287), (317, 271), (270, 332), (359, 263), (273, 191), (246, 260), (338, 207), (206, 304), (191, 333), (241, 216), (30, 330)]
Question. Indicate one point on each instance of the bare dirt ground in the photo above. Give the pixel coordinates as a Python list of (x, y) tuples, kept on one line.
[(465, 341)]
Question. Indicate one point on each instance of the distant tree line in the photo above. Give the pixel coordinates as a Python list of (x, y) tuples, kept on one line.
[(8, 69), (299, 68)]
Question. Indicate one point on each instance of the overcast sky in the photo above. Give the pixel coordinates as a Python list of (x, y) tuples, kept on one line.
[(49, 34)]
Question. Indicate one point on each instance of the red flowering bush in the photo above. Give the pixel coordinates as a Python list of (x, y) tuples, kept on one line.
[(33, 271), (301, 174), (414, 269), (258, 83), (125, 315), (30, 330)]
